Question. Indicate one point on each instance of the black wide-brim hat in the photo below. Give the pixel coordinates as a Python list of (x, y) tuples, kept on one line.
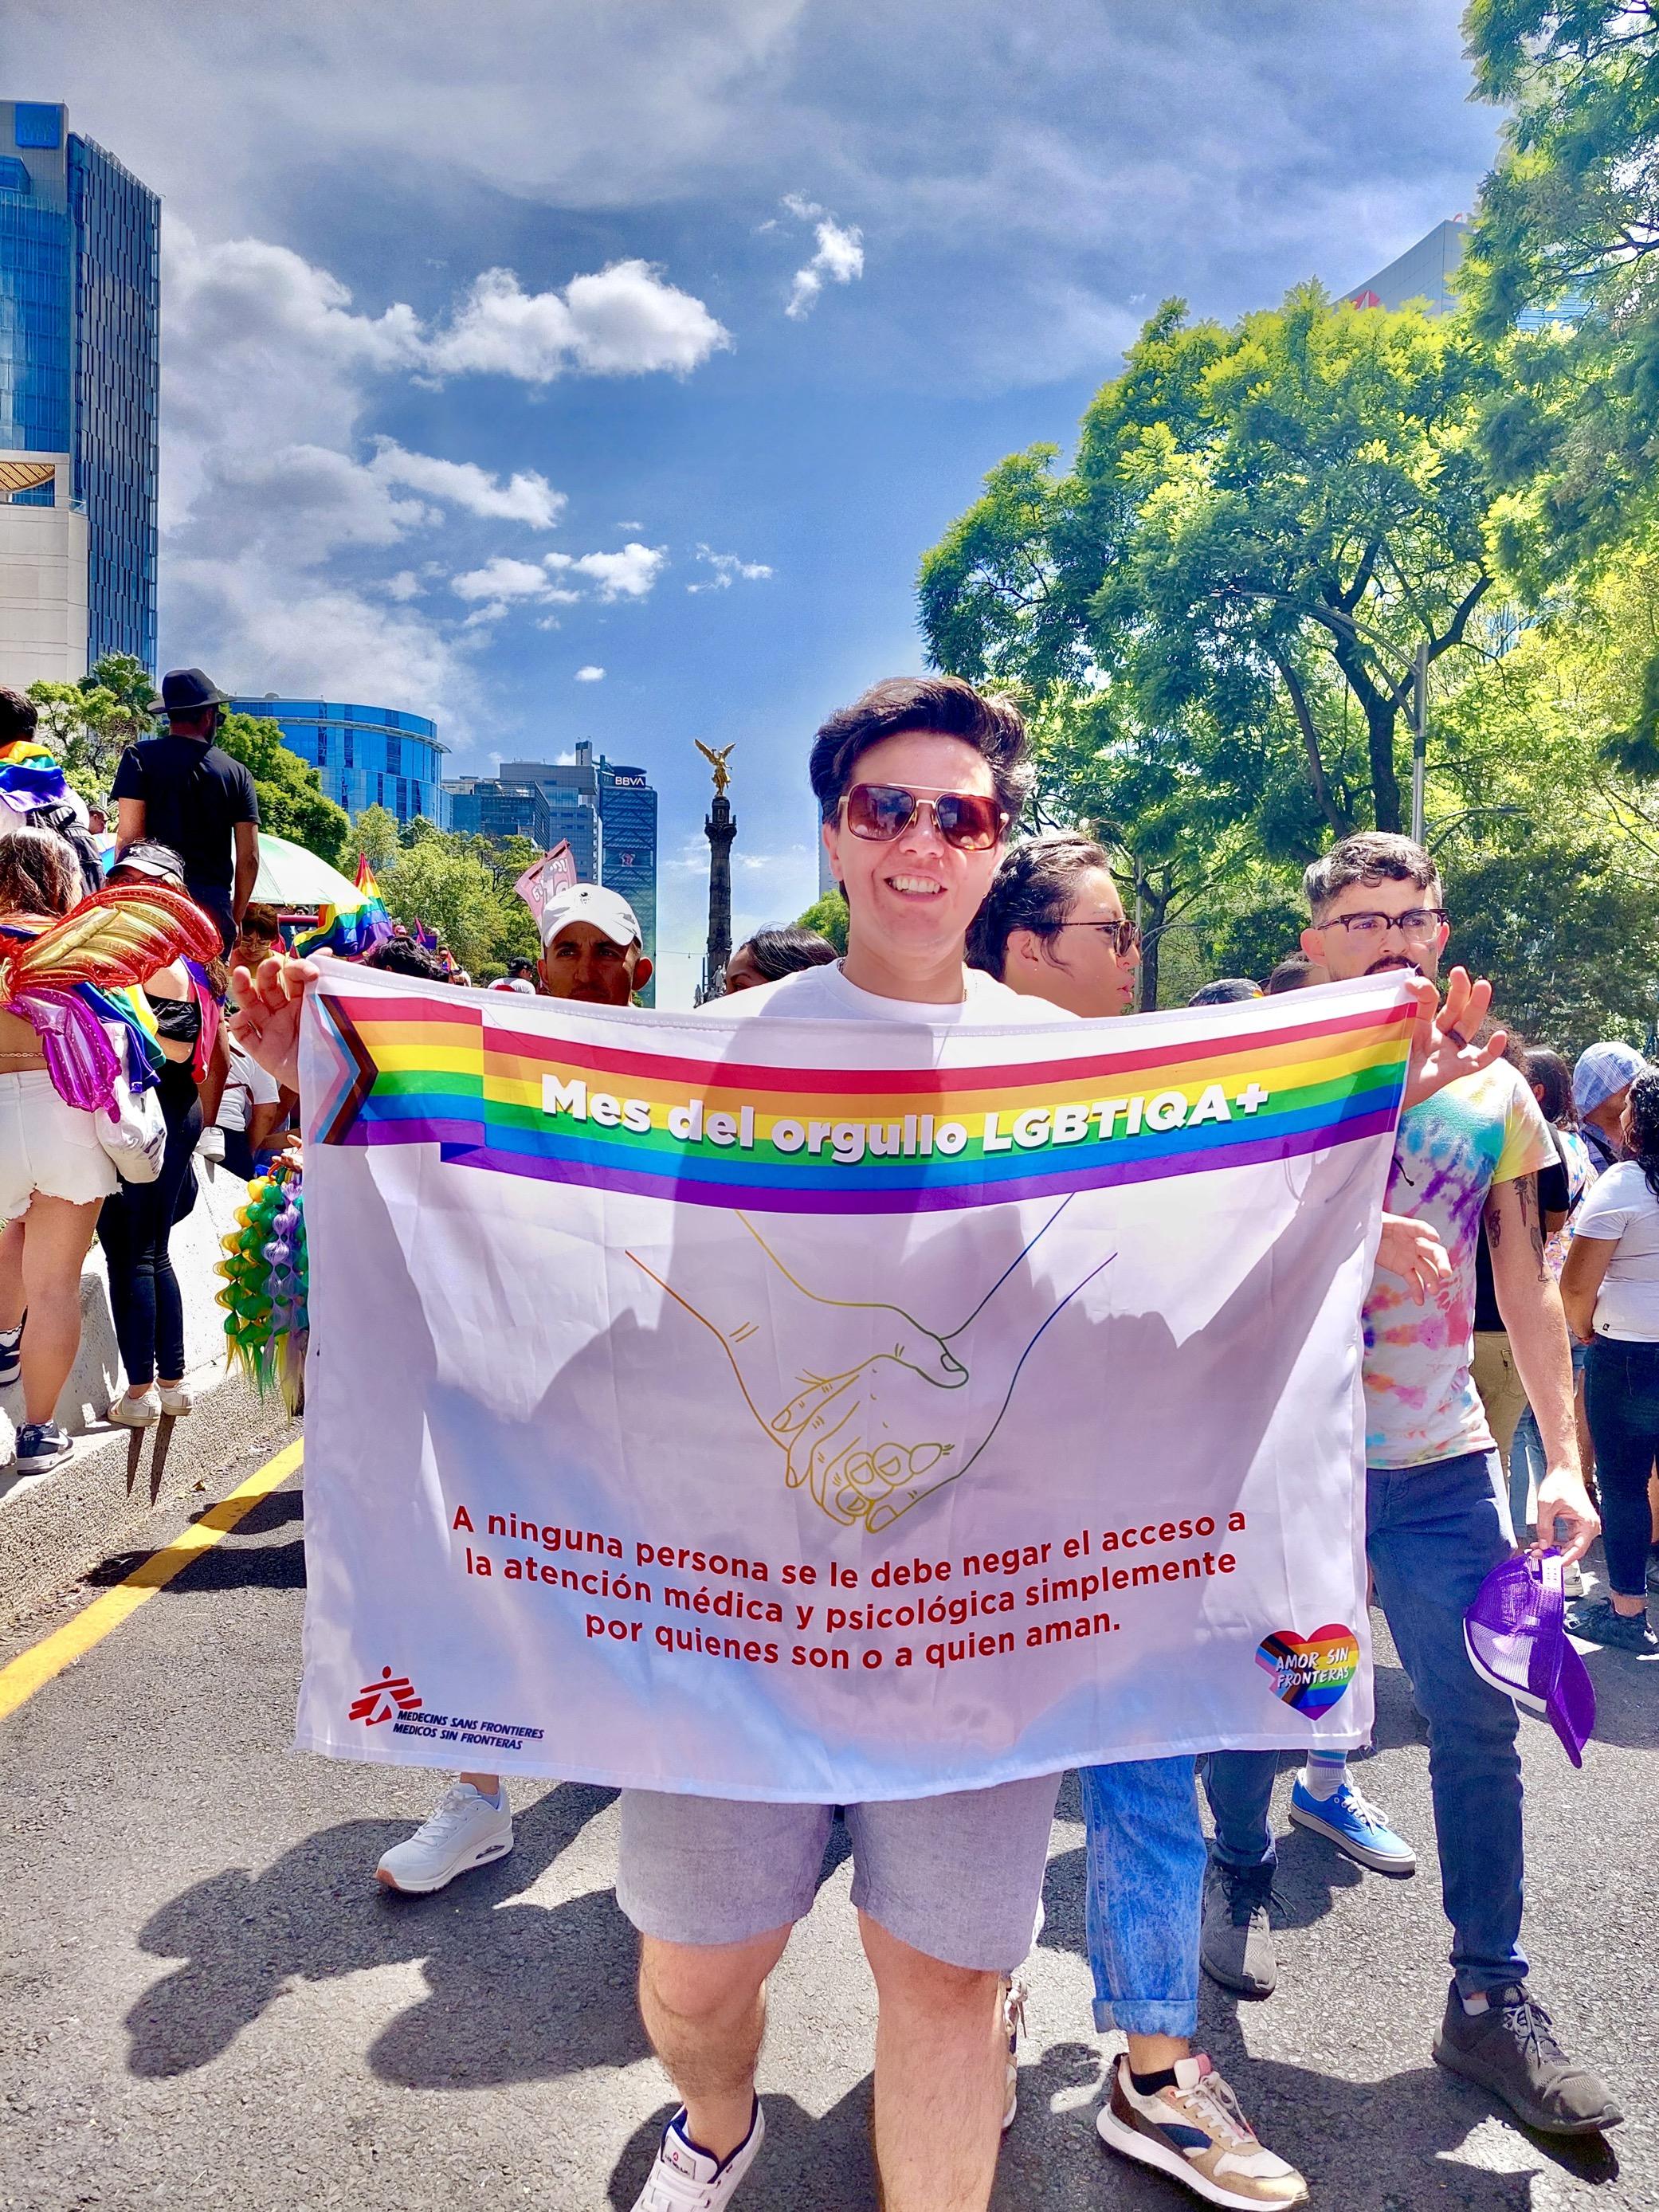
[(187, 691)]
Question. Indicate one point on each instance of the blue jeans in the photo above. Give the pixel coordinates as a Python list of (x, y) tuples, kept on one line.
[(1527, 1456), (1145, 1892), (1621, 1395), (1433, 1534)]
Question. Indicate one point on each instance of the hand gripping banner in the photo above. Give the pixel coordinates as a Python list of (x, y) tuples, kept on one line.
[(809, 1410)]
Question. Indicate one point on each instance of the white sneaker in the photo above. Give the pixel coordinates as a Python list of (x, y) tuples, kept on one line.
[(1014, 2025), (175, 1399), (687, 2179), (136, 1413), (466, 1831)]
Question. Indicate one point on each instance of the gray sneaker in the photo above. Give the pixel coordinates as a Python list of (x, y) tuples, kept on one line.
[(1596, 1621), (1236, 1947), (1510, 2049)]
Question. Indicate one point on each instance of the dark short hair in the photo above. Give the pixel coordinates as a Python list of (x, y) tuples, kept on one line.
[(1554, 1080), (1032, 889), (402, 956), (1225, 991), (261, 921), (786, 952), (943, 705), (1374, 856), (520, 964), (1293, 973), (18, 718)]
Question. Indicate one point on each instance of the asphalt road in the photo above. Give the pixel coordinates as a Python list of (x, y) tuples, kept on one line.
[(205, 2000)]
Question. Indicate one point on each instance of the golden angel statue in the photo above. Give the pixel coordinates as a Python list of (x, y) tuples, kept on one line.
[(717, 760)]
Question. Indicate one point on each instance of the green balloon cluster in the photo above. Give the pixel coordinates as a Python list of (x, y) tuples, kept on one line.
[(246, 1297)]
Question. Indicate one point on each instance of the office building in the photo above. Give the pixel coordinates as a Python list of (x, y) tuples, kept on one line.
[(606, 812), (1423, 274), (628, 817), (365, 755), (80, 365)]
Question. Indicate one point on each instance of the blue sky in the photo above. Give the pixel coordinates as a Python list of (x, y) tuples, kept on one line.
[(391, 474)]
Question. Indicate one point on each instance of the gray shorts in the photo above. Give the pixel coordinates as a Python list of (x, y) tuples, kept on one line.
[(958, 1877)]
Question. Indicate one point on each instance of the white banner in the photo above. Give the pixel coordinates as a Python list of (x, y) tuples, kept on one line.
[(797, 1410)]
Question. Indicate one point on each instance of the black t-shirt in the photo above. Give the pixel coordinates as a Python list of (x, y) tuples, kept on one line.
[(1554, 1196), (194, 796)]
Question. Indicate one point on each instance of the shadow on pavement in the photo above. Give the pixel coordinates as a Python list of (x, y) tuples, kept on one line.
[(560, 1979), (238, 1561)]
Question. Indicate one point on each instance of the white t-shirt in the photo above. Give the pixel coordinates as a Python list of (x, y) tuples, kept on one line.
[(247, 1087), (512, 983), (1623, 1212), (825, 995)]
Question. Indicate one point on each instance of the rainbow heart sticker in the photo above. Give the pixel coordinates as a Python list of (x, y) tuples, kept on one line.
[(1309, 1673)]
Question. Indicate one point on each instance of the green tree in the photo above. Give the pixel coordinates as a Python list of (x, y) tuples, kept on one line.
[(452, 892), (1568, 222), (89, 725), (827, 916), (374, 833), (1247, 511), (292, 801)]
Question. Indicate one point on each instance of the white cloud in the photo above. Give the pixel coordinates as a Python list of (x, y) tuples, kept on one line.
[(628, 574), (502, 580), (838, 260), (277, 494), (525, 497), (625, 321), (728, 567), (590, 674)]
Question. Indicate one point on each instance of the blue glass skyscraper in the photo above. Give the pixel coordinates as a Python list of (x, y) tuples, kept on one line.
[(80, 353), (365, 755)]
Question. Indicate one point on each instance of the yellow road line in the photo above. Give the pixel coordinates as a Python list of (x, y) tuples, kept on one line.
[(33, 1669)]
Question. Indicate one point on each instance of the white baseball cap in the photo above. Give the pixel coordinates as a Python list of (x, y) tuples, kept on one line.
[(607, 910)]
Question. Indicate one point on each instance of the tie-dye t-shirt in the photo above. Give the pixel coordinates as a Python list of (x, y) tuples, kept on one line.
[(1420, 1402)]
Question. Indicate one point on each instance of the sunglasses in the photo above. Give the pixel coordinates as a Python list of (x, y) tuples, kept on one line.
[(965, 819), (1124, 937)]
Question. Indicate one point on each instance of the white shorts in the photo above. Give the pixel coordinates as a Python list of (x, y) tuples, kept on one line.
[(47, 1146)]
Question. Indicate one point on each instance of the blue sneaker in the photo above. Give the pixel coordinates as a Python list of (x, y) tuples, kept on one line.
[(41, 1444), (1355, 1826)]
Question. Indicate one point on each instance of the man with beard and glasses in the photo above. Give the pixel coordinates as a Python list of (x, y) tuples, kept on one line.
[(1436, 1519)]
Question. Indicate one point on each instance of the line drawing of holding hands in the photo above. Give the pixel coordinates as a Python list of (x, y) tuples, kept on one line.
[(861, 1432)]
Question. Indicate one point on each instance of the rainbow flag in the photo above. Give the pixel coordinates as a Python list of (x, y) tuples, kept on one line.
[(668, 1115), (30, 775), (349, 931)]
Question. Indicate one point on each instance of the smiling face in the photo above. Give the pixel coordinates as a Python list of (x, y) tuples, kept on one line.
[(1345, 953), (1078, 968), (909, 901)]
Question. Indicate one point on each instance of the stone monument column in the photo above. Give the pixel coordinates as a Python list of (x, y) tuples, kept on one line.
[(721, 828)]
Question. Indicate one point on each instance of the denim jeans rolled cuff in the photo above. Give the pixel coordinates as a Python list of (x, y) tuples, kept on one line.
[(1148, 2016), (1143, 1894)]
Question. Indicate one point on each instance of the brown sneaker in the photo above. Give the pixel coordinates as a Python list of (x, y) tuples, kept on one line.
[(1196, 2133)]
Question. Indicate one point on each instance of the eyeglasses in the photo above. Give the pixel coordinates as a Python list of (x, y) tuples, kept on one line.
[(1124, 937), (965, 819), (1417, 922)]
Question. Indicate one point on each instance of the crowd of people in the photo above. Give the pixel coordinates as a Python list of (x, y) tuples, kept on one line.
[(1485, 1417)]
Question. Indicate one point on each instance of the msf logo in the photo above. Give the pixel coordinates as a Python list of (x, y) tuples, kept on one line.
[(378, 1701)]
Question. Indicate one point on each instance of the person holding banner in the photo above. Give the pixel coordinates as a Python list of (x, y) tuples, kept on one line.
[(917, 786), (1437, 1513)]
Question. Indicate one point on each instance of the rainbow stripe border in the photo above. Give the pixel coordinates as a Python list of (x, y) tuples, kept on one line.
[(407, 1069)]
